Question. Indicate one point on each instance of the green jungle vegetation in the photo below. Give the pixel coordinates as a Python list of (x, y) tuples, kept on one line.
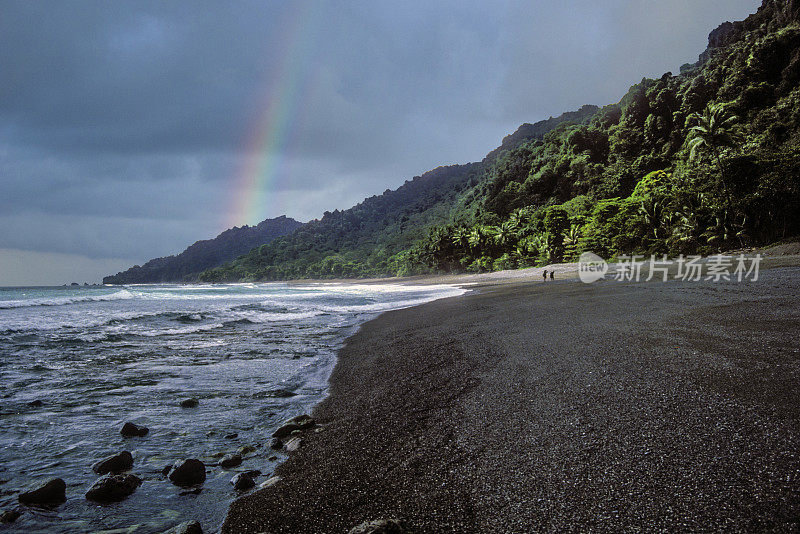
[(703, 161)]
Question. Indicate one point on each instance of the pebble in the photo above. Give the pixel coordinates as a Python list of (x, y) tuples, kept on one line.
[(113, 488), (51, 492), (131, 430), (188, 472), (115, 464), (380, 526), (230, 460), (189, 527), (9, 516), (242, 482), (294, 444), (301, 422), (189, 403)]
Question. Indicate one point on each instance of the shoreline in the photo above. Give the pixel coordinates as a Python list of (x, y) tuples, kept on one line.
[(419, 424), (786, 255), (777, 255)]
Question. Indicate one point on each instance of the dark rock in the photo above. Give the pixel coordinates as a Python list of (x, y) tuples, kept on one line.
[(280, 393), (276, 444), (246, 449), (189, 403), (113, 488), (36, 403), (380, 526), (301, 422), (188, 472), (719, 36), (115, 464), (234, 435), (285, 430), (242, 482), (294, 444), (272, 458), (253, 473), (230, 460), (131, 430), (189, 527), (9, 516), (166, 470), (51, 492)]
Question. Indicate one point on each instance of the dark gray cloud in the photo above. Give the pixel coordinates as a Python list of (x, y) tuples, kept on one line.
[(124, 126)]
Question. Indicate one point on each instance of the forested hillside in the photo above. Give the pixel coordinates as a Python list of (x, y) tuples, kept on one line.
[(205, 254), (701, 161), (363, 239), (374, 237)]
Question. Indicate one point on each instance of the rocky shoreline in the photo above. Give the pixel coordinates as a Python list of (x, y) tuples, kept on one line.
[(116, 483), (166, 374), (551, 407), (527, 407)]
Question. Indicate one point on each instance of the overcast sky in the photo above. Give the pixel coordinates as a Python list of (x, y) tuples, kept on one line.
[(125, 127)]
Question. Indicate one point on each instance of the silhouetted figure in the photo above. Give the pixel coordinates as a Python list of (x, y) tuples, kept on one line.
[(544, 275), (551, 275)]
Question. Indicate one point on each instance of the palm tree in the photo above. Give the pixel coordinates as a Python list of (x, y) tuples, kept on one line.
[(475, 238), (717, 231), (652, 211), (544, 244), (506, 234), (490, 238), (572, 235), (712, 133), (527, 246), (460, 238), (686, 227), (571, 238)]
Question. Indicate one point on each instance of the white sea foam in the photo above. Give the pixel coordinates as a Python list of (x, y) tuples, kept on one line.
[(377, 307), (179, 331), (123, 294), (269, 317), (129, 359), (182, 344)]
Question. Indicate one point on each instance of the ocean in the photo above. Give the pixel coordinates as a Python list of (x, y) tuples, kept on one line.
[(78, 362)]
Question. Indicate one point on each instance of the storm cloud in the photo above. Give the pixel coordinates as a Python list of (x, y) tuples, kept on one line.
[(124, 126)]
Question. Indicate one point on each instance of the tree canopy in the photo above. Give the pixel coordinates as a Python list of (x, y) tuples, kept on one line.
[(697, 162)]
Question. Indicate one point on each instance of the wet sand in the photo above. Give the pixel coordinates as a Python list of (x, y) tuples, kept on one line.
[(558, 406)]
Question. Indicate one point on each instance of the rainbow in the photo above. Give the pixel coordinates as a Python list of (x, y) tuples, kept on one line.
[(260, 172)]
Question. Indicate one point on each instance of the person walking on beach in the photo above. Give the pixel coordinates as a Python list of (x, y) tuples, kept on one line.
[(544, 275), (551, 275)]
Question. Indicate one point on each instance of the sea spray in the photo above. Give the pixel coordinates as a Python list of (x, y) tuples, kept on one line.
[(96, 357)]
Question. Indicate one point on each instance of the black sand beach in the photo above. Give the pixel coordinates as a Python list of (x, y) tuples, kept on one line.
[(558, 407)]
